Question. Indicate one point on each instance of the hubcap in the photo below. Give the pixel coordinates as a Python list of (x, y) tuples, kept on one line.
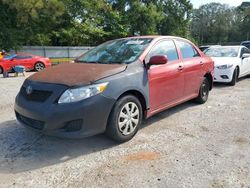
[(128, 118), (204, 90), (39, 66)]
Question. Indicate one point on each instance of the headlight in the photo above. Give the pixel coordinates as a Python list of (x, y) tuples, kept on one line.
[(224, 66), (81, 93)]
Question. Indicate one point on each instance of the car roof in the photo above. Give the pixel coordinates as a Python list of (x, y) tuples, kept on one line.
[(229, 46), (155, 37), (25, 54), (244, 42)]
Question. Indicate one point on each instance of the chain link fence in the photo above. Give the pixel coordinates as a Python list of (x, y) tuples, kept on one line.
[(56, 51)]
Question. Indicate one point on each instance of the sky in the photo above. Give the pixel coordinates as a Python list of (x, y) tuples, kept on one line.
[(198, 3)]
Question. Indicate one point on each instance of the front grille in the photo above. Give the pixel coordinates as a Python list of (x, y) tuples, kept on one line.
[(30, 122), (36, 95)]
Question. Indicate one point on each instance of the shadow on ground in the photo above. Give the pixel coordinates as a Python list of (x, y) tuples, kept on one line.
[(22, 150), (227, 85)]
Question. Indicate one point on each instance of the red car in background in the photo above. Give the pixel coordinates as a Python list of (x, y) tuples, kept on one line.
[(30, 62)]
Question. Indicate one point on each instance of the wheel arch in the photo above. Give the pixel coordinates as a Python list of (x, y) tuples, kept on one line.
[(238, 71), (39, 61), (1, 67), (140, 97), (209, 76)]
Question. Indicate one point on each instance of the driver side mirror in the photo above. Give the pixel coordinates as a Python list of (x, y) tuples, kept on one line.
[(157, 60), (245, 55)]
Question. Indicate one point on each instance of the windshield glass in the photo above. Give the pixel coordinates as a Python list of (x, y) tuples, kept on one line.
[(116, 51), (222, 52)]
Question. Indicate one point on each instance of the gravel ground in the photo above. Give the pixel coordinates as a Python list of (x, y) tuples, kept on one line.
[(187, 146)]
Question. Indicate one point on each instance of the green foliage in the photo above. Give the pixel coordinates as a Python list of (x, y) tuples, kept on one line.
[(82, 22), (218, 23)]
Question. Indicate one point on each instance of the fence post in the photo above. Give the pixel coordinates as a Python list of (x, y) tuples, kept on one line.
[(44, 51), (68, 53)]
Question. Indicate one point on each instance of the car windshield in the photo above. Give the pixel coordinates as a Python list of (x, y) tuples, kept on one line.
[(222, 52), (116, 51)]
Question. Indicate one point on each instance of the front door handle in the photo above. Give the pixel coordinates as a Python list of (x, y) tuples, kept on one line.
[(201, 63), (180, 67)]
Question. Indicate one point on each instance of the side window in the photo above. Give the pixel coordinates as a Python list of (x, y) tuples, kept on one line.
[(22, 57), (187, 50), (243, 51), (167, 48)]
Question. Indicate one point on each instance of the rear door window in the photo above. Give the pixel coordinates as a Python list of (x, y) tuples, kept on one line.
[(187, 49)]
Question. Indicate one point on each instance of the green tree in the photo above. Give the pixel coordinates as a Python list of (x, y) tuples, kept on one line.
[(218, 24), (28, 22)]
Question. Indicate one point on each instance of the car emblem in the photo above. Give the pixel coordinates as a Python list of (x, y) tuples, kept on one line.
[(29, 90)]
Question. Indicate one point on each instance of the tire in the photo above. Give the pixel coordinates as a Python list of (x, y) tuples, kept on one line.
[(39, 66), (122, 113), (204, 92), (235, 77), (1, 70)]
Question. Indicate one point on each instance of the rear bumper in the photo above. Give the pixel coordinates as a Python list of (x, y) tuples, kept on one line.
[(76, 120)]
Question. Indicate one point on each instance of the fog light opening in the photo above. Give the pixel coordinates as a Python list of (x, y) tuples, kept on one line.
[(224, 76), (73, 126)]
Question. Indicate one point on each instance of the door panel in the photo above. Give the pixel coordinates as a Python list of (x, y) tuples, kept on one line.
[(245, 63), (166, 83), (193, 67), (8, 64), (193, 75), (22, 60)]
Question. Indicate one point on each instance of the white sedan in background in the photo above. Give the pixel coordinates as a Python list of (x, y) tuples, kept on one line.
[(230, 63)]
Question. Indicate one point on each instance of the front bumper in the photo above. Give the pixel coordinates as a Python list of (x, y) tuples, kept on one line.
[(223, 75), (75, 120)]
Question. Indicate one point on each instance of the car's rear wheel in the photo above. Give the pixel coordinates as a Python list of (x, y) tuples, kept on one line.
[(204, 91), (125, 119), (235, 77), (39, 66)]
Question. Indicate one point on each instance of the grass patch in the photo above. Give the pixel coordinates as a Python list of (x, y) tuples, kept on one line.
[(56, 61)]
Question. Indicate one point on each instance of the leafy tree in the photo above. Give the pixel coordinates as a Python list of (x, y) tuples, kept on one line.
[(82, 22), (28, 22), (218, 23)]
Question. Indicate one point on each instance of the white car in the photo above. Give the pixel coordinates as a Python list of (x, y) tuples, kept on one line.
[(230, 63)]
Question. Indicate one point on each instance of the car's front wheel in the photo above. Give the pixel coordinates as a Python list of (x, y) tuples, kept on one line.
[(39, 66), (204, 91), (1, 70), (125, 119), (235, 77)]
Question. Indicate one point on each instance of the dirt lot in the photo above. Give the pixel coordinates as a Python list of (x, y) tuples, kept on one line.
[(187, 146)]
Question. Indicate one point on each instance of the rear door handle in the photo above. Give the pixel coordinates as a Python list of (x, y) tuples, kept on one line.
[(180, 67), (201, 63)]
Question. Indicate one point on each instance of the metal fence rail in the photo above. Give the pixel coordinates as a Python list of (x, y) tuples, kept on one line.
[(56, 51)]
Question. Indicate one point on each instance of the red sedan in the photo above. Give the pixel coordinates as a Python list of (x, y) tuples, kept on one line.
[(112, 87), (30, 62)]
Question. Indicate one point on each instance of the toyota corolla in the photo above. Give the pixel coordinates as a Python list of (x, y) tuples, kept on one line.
[(112, 87)]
